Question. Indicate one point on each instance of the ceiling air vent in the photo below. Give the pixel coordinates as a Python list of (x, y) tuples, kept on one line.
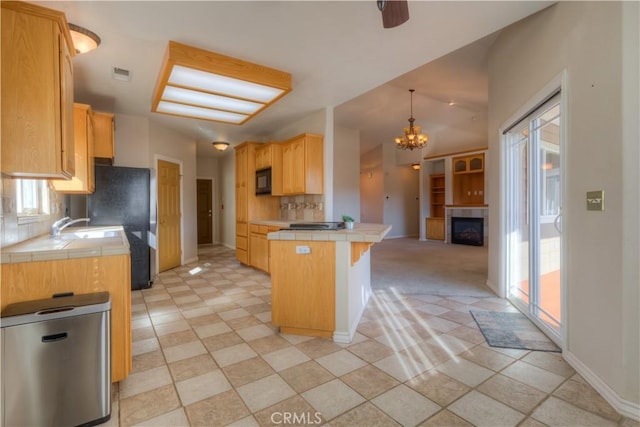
[(121, 74)]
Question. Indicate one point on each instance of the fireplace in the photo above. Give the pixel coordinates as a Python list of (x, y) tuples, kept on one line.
[(467, 231)]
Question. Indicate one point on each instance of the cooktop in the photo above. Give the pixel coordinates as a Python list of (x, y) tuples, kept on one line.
[(315, 226)]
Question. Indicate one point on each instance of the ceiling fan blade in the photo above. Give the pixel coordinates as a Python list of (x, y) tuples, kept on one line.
[(394, 13)]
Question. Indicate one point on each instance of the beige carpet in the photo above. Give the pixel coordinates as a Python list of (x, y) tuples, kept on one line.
[(410, 266)]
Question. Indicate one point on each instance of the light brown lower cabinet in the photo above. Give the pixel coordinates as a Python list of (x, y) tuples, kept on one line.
[(242, 242), (303, 289), (259, 246), (28, 281), (435, 228)]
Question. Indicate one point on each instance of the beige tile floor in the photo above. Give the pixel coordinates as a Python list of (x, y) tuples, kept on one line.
[(206, 354)]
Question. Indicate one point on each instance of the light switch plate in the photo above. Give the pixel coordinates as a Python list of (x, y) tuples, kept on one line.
[(595, 200)]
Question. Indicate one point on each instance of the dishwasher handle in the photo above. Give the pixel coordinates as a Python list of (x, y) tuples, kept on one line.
[(54, 337)]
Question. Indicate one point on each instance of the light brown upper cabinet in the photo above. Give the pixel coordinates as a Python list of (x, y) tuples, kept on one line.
[(302, 165), (468, 164), (36, 92), (83, 182), (468, 180), (269, 155), (104, 137)]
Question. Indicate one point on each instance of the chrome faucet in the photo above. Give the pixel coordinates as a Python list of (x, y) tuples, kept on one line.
[(63, 223)]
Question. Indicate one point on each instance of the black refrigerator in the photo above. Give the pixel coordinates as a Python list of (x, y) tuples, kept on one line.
[(122, 197)]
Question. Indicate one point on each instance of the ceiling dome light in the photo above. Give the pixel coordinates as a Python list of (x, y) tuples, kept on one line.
[(83, 39), (220, 146)]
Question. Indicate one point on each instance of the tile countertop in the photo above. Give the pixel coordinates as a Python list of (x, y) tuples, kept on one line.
[(362, 232), (73, 242), (274, 223)]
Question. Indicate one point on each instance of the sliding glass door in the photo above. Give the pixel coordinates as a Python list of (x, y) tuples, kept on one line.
[(533, 216)]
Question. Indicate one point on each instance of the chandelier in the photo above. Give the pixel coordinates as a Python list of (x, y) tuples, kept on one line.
[(412, 137)]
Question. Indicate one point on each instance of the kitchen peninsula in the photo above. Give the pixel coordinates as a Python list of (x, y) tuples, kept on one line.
[(321, 279)]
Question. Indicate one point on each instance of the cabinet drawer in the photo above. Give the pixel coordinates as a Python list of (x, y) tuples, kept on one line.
[(241, 228), (241, 243), (259, 229)]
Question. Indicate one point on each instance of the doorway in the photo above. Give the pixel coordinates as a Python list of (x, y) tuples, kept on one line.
[(532, 216), (204, 202), (169, 216)]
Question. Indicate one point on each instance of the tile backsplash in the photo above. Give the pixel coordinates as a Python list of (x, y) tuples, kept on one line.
[(10, 231), (302, 208)]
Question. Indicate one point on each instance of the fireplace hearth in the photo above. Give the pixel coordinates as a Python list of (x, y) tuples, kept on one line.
[(467, 231)]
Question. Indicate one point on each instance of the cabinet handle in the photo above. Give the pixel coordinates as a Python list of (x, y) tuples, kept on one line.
[(55, 337)]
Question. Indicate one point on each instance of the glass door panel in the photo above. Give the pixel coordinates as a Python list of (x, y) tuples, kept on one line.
[(547, 302), (518, 224), (533, 214)]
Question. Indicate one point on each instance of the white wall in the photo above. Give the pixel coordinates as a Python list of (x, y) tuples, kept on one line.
[(401, 190), (228, 199), (601, 251), (346, 172), (172, 146), (131, 141)]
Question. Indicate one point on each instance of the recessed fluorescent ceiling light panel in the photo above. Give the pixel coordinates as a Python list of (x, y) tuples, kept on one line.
[(205, 85)]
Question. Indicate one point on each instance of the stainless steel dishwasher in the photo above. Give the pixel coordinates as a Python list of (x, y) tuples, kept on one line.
[(56, 355)]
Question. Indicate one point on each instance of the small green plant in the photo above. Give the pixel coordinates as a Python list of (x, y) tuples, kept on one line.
[(347, 218)]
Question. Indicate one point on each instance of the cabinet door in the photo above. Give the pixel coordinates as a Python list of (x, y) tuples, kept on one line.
[(303, 287), (83, 180), (104, 135), (259, 251), (293, 165), (37, 95), (241, 185), (459, 165), (287, 169), (476, 163), (435, 228), (67, 108), (298, 167), (263, 158)]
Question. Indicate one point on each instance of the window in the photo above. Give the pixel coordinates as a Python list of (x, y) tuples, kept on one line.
[(32, 199)]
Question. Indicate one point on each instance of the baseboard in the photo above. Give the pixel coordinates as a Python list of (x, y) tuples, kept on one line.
[(341, 337), (347, 337), (495, 289), (624, 407), (228, 246)]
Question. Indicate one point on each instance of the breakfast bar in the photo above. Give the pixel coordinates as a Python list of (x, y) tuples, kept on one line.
[(321, 279)]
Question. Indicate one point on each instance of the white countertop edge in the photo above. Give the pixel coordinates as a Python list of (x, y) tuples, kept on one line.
[(361, 233), (28, 251)]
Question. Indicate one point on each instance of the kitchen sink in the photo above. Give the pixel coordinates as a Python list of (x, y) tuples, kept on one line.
[(88, 234)]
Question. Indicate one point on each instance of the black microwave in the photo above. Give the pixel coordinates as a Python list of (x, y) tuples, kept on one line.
[(263, 181)]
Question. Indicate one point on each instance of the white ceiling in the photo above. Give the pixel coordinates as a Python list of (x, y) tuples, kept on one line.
[(337, 52)]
